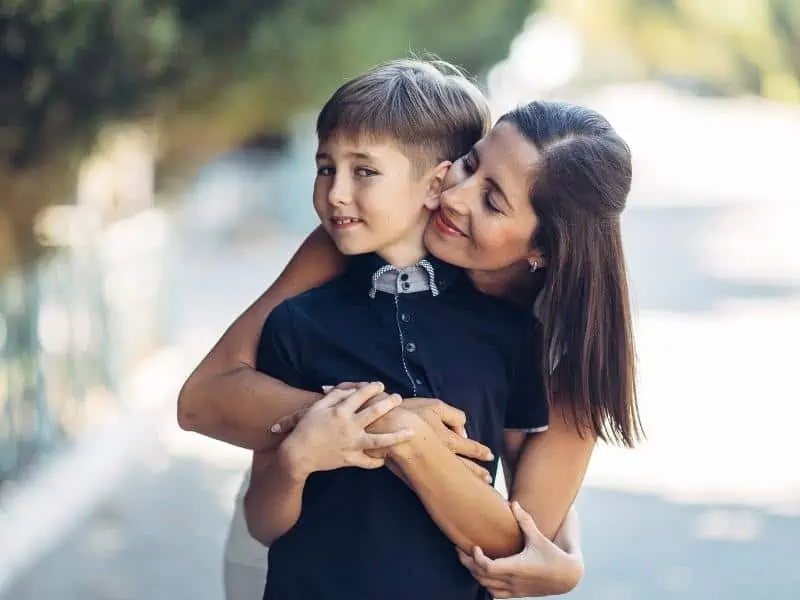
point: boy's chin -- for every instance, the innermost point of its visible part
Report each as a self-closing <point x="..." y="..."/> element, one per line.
<point x="350" y="247"/>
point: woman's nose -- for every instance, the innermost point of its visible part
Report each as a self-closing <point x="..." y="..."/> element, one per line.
<point x="453" y="200"/>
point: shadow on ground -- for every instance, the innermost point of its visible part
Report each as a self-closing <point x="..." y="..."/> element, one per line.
<point x="642" y="547"/>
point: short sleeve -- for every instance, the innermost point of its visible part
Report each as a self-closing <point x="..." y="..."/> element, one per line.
<point x="278" y="353"/>
<point x="527" y="408"/>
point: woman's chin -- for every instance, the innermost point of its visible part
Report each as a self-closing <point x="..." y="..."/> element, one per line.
<point x="444" y="248"/>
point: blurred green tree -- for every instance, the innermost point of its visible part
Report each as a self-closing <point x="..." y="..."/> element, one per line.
<point x="726" y="46"/>
<point x="207" y="73"/>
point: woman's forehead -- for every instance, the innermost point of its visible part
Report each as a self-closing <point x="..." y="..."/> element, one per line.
<point x="508" y="156"/>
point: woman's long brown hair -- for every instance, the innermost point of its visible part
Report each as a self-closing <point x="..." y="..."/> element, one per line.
<point x="579" y="190"/>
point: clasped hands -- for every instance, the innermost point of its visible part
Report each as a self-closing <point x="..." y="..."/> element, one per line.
<point x="359" y="425"/>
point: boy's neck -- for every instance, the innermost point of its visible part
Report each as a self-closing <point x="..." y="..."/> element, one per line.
<point x="402" y="255"/>
<point x="409" y="249"/>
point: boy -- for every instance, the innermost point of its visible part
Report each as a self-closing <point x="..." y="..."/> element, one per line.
<point x="397" y="316"/>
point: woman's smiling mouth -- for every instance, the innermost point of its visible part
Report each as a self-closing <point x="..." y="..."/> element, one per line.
<point x="446" y="226"/>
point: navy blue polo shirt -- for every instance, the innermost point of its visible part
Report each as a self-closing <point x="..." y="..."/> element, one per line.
<point x="422" y="331"/>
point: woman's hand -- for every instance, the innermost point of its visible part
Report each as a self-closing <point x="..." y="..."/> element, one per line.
<point x="332" y="433"/>
<point x="448" y="424"/>
<point x="541" y="569"/>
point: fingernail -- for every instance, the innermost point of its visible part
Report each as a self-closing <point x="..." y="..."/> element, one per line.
<point x="327" y="388"/>
<point x="276" y="428"/>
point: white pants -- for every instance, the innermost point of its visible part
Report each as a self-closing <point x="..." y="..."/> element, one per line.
<point x="245" y="565"/>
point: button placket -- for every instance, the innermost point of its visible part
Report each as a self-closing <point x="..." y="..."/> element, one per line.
<point x="405" y="346"/>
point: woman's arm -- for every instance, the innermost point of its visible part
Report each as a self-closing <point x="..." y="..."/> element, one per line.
<point x="550" y="471"/>
<point x="542" y="568"/>
<point x="547" y="477"/>
<point x="225" y="397"/>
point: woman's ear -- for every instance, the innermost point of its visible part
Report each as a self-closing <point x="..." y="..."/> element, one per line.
<point x="436" y="184"/>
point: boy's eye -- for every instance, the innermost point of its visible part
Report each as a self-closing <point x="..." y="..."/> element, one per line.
<point x="365" y="172"/>
<point x="325" y="171"/>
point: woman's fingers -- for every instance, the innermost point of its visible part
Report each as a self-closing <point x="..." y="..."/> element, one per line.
<point x="366" y="416"/>
<point x="477" y="470"/>
<point x="501" y="568"/>
<point x="286" y="424"/>
<point x="528" y="525"/>
<point x="375" y="441"/>
<point x="454" y="418"/>
<point x="493" y="584"/>
<point x="468" y="448"/>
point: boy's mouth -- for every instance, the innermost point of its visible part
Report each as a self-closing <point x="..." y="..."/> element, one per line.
<point x="344" y="222"/>
<point x="446" y="226"/>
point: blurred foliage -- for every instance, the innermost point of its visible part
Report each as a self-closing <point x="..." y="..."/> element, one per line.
<point x="712" y="46"/>
<point x="206" y="74"/>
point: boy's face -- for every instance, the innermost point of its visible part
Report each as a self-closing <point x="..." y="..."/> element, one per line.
<point x="369" y="198"/>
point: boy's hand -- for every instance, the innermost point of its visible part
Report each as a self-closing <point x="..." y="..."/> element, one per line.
<point x="332" y="433"/>
<point x="285" y="425"/>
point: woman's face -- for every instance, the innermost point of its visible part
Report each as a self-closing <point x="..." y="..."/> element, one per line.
<point x="485" y="220"/>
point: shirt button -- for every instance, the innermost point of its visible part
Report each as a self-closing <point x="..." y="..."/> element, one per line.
<point x="406" y="285"/>
<point x="404" y="277"/>
<point x="411" y="347"/>
<point x="405" y="317"/>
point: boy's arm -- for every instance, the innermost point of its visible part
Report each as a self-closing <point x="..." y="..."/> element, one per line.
<point x="225" y="397"/>
<point x="331" y="435"/>
<point x="274" y="498"/>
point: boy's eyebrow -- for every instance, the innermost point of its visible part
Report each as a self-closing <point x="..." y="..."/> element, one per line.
<point x="356" y="155"/>
<point x="491" y="181"/>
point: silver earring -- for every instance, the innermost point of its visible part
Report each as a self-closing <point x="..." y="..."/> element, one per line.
<point x="534" y="265"/>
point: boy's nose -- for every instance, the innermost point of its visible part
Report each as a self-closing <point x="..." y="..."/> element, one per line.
<point x="338" y="195"/>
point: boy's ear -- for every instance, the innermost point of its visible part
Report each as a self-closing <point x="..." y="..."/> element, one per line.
<point x="436" y="184"/>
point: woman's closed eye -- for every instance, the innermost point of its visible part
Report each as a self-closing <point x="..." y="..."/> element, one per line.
<point x="488" y="202"/>
<point x="468" y="164"/>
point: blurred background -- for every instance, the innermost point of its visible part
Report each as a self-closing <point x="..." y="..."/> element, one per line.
<point x="157" y="163"/>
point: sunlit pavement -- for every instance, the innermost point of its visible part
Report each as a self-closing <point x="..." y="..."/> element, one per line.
<point x="708" y="508"/>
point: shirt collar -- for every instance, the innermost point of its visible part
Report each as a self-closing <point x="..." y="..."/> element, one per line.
<point x="429" y="275"/>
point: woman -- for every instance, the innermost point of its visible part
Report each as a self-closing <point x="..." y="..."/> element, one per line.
<point x="533" y="213"/>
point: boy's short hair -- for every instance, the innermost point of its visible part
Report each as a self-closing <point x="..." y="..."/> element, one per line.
<point x="429" y="107"/>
